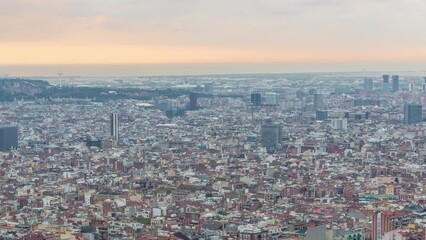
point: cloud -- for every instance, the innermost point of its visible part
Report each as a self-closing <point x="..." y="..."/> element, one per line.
<point x="47" y="20"/>
<point x="321" y="28"/>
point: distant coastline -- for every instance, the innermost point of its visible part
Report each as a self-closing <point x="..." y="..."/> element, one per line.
<point x="136" y="70"/>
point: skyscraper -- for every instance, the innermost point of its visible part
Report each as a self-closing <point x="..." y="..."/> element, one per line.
<point x="115" y="124"/>
<point x="340" y="124"/>
<point x="424" y="85"/>
<point x="193" y="97"/>
<point x="300" y="94"/>
<point x="395" y="83"/>
<point x="271" y="135"/>
<point x="321" y="115"/>
<point x="271" y="98"/>
<point x="385" y="84"/>
<point x="8" y="138"/>
<point x="208" y="88"/>
<point x="256" y="98"/>
<point x="412" y="113"/>
<point x="411" y="87"/>
<point x="318" y="101"/>
<point x="368" y="84"/>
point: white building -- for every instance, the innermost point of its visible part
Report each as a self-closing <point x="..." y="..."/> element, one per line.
<point x="340" y="124"/>
<point x="271" y="98"/>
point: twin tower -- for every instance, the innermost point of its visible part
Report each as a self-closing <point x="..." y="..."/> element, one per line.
<point x="395" y="83"/>
<point x="388" y="87"/>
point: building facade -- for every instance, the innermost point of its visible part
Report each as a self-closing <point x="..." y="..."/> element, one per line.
<point x="271" y="135"/>
<point x="412" y="113"/>
<point x="385" y="84"/>
<point x="114" y="126"/>
<point x="8" y="138"/>
<point x="318" y="101"/>
<point x="256" y="99"/>
<point x="368" y="84"/>
<point x="395" y="83"/>
<point x="193" y="98"/>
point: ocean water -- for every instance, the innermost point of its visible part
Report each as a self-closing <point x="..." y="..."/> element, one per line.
<point x="136" y="70"/>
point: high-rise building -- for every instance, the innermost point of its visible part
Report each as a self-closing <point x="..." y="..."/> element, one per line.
<point x="321" y="115"/>
<point x="8" y="138"/>
<point x="256" y="98"/>
<point x="387" y="221"/>
<point x="368" y="84"/>
<point x="367" y="115"/>
<point x="198" y="88"/>
<point x="300" y="94"/>
<point x="193" y="97"/>
<point x="271" y="98"/>
<point x="208" y="88"/>
<point x="424" y="85"/>
<point x="395" y="83"/>
<point x="380" y="223"/>
<point x="412" y="113"/>
<point x="385" y="84"/>
<point x="271" y="135"/>
<point x="114" y="127"/>
<point x="318" y="101"/>
<point x="340" y="124"/>
<point x="411" y="87"/>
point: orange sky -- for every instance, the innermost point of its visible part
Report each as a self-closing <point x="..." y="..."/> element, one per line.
<point x="220" y="31"/>
<point x="50" y="53"/>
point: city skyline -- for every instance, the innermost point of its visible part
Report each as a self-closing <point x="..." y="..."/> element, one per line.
<point x="212" y="120"/>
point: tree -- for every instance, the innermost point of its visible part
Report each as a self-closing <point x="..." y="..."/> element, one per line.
<point x="143" y="220"/>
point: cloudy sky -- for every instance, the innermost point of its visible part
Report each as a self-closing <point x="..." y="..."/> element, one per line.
<point x="247" y="32"/>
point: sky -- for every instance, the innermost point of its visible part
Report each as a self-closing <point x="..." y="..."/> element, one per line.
<point x="221" y="35"/>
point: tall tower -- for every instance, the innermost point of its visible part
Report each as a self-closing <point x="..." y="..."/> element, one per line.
<point x="318" y="101"/>
<point x="321" y="115"/>
<point x="208" y="88"/>
<point x="395" y="83"/>
<point x="385" y="84"/>
<point x="271" y="135"/>
<point x="256" y="98"/>
<point x="424" y="85"/>
<point x="411" y="87"/>
<point x="412" y="113"/>
<point x="368" y="84"/>
<point x="60" y="79"/>
<point x="114" y="127"/>
<point x="193" y="105"/>
<point x="271" y="98"/>
<point x="60" y="73"/>
<point x="8" y="138"/>
<point x="340" y="124"/>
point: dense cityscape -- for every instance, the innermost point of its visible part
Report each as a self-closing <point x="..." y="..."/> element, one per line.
<point x="242" y="157"/>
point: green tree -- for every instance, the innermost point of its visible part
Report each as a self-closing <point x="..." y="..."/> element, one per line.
<point x="143" y="220"/>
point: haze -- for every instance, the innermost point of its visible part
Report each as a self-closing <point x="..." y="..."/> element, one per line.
<point x="303" y="35"/>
